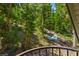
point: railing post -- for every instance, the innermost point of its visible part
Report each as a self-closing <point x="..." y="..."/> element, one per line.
<point x="39" y="53"/>
<point x="67" y="52"/>
<point x="52" y="52"/>
<point x="77" y="53"/>
<point x="59" y="52"/>
<point x="31" y="53"/>
<point x="46" y="52"/>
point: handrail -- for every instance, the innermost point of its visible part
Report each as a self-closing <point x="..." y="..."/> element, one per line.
<point x="46" y="47"/>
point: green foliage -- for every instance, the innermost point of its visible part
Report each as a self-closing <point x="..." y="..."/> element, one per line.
<point x="58" y="21"/>
<point x="24" y="22"/>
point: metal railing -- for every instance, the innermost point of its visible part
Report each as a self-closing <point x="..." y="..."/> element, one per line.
<point x="50" y="51"/>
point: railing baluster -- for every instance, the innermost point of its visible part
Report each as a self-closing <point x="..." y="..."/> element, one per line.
<point x="67" y="52"/>
<point x="52" y="52"/>
<point x="59" y="52"/>
<point x="39" y="53"/>
<point x="32" y="53"/>
<point x="46" y="52"/>
<point x="77" y="53"/>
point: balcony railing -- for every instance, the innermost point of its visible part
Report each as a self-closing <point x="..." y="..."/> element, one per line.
<point x="50" y="51"/>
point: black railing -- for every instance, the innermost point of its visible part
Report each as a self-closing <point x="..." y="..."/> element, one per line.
<point x="50" y="51"/>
